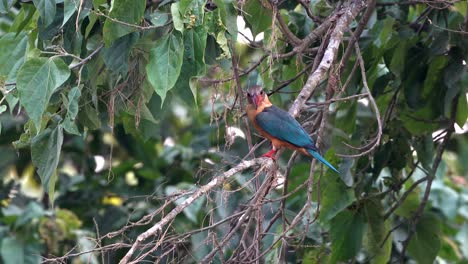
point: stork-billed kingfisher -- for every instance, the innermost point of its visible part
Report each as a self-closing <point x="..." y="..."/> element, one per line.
<point x="279" y="126"/>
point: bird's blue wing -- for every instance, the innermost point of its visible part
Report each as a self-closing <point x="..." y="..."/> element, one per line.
<point x="281" y="125"/>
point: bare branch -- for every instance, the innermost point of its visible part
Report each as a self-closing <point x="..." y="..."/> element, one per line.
<point x="348" y="14"/>
<point x="218" y="180"/>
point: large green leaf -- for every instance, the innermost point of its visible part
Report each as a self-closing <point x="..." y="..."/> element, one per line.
<point x="425" y="243"/>
<point x="228" y="16"/>
<point x="37" y="79"/>
<point x="346" y="231"/>
<point x="12" y="251"/>
<point x="5" y="6"/>
<point x="335" y="195"/>
<point x="384" y="31"/>
<point x="45" y="155"/>
<point x="116" y="56"/>
<point x="126" y="11"/>
<point x="434" y="74"/>
<point x="165" y="63"/>
<point x="47" y="10"/>
<point x="12" y="51"/>
<point x="258" y="17"/>
<point x="193" y="64"/>
<point x="377" y="230"/>
<point x="69" y="8"/>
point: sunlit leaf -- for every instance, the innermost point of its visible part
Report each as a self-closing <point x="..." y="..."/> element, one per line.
<point x="177" y="19"/>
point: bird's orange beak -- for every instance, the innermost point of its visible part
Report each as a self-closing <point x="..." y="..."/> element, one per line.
<point x="257" y="100"/>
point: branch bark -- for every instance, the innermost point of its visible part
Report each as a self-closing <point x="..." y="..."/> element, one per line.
<point x="218" y="180"/>
<point x="347" y="14"/>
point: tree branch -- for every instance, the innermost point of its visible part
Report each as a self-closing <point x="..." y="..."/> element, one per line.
<point x="216" y="181"/>
<point x="348" y="14"/>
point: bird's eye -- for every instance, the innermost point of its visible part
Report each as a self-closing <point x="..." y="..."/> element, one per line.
<point x="261" y="92"/>
<point x="248" y="94"/>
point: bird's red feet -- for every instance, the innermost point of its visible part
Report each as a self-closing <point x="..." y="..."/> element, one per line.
<point x="270" y="154"/>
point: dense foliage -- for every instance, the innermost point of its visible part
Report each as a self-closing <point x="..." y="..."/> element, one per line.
<point x="125" y="118"/>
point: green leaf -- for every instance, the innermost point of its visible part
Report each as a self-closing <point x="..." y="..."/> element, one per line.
<point x="195" y="12"/>
<point x="398" y="59"/>
<point x="12" y="251"/>
<point x="47" y="9"/>
<point x="127" y="11"/>
<point x="2" y="108"/>
<point x="45" y="155"/>
<point x="258" y="17"/>
<point x="5" y="6"/>
<point x="346" y="231"/>
<point x="462" y="238"/>
<point x="158" y="18"/>
<point x="32" y="211"/>
<point x="72" y="104"/>
<point x="23" y="18"/>
<point x="89" y="117"/>
<point x="335" y="195"/>
<point x="69" y="8"/>
<point x="425" y="150"/>
<point x="12" y="53"/>
<point x="425" y="243"/>
<point x="376" y="232"/>
<point x="193" y="64"/>
<point x="223" y="44"/>
<point x="116" y="56"/>
<point x="433" y="75"/>
<point x="165" y="63"/>
<point x="385" y="29"/>
<point x="409" y="206"/>
<point x="38" y="78"/>
<point x="70" y="126"/>
<point x="462" y="110"/>
<point x="228" y="15"/>
<point x="177" y="18"/>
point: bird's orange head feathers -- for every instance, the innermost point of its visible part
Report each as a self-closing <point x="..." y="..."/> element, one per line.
<point x="256" y="96"/>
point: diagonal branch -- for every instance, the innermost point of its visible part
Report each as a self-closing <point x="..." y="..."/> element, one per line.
<point x="348" y="13"/>
<point x="157" y="228"/>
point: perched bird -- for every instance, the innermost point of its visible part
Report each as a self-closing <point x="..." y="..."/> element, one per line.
<point x="279" y="126"/>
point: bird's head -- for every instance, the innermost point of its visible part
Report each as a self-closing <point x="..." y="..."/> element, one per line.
<point x="256" y="95"/>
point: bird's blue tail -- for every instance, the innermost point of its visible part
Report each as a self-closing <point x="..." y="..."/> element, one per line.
<point x="316" y="155"/>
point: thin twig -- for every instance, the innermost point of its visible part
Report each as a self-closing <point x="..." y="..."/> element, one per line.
<point x="375" y="142"/>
